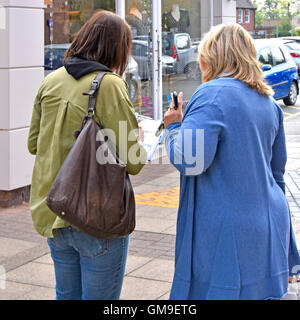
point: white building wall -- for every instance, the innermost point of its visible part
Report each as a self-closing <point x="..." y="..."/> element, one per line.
<point x="224" y="11"/>
<point x="21" y="73"/>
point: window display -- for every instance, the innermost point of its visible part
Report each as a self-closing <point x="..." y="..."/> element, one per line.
<point x="181" y="31"/>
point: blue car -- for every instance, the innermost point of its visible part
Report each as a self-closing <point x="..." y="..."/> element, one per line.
<point x="280" y="69"/>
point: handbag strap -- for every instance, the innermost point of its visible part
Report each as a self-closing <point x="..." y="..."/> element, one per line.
<point x="93" y="93"/>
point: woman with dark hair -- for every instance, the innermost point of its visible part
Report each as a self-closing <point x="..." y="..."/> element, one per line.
<point x="85" y="267"/>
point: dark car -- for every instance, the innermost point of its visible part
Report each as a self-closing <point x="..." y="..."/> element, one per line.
<point x="54" y="55"/>
<point x="279" y="68"/>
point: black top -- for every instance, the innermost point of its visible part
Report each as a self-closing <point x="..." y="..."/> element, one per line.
<point x="78" y="67"/>
<point x="169" y="22"/>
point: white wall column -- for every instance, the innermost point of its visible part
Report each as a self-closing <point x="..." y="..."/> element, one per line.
<point x="224" y="11"/>
<point x="21" y="73"/>
<point x="120" y="8"/>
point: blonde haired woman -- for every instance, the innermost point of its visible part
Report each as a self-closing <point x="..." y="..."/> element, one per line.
<point x="234" y="236"/>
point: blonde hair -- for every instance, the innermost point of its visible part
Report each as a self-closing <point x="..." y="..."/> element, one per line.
<point x="228" y="48"/>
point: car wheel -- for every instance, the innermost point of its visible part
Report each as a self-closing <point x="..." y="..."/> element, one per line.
<point x="192" y="71"/>
<point x="132" y="90"/>
<point x="291" y="99"/>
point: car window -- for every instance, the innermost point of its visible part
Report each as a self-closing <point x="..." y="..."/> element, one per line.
<point x="139" y="50"/>
<point x="278" y="57"/>
<point x="133" y="49"/>
<point x="265" y="56"/>
<point x="182" y="42"/>
<point x="293" y="45"/>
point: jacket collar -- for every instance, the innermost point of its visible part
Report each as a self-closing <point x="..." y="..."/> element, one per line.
<point x="78" y="67"/>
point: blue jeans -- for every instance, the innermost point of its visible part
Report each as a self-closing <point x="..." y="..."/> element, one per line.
<point x="87" y="268"/>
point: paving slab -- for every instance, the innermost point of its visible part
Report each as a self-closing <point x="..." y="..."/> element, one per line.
<point x="153" y="225"/>
<point x="10" y="247"/>
<point x="156" y="212"/>
<point x="135" y="262"/>
<point x="157" y="269"/>
<point x="14" y="290"/>
<point x="39" y="293"/>
<point x="39" y="274"/>
<point x="45" y="259"/>
<point x="143" y="289"/>
<point x="166" y="296"/>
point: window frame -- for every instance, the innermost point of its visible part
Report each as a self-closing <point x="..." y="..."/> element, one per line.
<point x="240" y="16"/>
<point x="247" y="16"/>
<point x="260" y="53"/>
<point x="273" y="58"/>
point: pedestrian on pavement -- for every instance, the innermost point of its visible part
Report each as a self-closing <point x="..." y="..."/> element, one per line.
<point x="234" y="235"/>
<point x="85" y="267"/>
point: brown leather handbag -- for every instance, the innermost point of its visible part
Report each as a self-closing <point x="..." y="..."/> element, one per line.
<point x="95" y="198"/>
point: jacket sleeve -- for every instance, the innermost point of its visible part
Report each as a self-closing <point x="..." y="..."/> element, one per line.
<point x="34" y="129"/>
<point x="115" y="112"/>
<point x="279" y="155"/>
<point x="192" y="145"/>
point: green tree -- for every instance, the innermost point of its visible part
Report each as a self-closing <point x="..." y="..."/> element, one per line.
<point x="297" y="31"/>
<point x="259" y="18"/>
<point x="270" y="9"/>
<point x="285" y="27"/>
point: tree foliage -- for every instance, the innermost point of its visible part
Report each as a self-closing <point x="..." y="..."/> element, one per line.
<point x="274" y="9"/>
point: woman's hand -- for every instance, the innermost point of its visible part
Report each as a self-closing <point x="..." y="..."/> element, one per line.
<point x="173" y="115"/>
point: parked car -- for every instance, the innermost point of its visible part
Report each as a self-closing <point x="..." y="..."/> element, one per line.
<point x="181" y="47"/>
<point x="54" y="55"/>
<point x="293" y="38"/>
<point x="294" y="50"/>
<point x="143" y="56"/>
<point x="279" y="68"/>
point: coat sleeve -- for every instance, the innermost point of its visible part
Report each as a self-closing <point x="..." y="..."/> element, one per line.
<point x="192" y="145"/>
<point x="34" y="129"/>
<point x="279" y="155"/>
<point x="117" y="115"/>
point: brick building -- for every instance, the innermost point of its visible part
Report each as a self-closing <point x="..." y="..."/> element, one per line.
<point x="245" y="14"/>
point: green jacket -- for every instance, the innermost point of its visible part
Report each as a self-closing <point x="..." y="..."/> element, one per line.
<point x="59" y="109"/>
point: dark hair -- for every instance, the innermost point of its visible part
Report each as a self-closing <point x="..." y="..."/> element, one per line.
<point x="105" y="38"/>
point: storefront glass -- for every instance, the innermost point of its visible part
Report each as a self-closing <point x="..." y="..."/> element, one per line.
<point x="182" y="21"/>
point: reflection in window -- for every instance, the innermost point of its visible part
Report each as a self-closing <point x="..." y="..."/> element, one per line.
<point x="183" y="42"/>
<point x="265" y="56"/>
<point x="278" y="56"/>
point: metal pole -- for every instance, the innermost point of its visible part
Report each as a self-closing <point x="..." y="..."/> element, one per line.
<point x="120" y="8"/>
<point x="157" y="84"/>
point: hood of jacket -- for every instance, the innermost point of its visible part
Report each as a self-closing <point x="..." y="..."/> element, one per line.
<point x="78" y="67"/>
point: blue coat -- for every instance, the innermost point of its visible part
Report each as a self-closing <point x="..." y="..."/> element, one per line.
<point x="234" y="236"/>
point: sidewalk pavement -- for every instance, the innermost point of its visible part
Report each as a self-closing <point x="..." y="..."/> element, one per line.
<point x="29" y="269"/>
